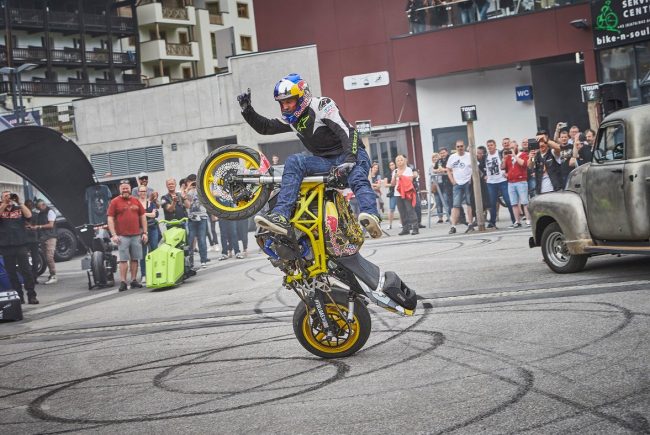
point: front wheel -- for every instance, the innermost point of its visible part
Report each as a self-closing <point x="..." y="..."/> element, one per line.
<point x="347" y="339"/>
<point x="556" y="253"/>
<point x="219" y="188"/>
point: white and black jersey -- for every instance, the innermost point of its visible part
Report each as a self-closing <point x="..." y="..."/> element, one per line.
<point x="321" y="128"/>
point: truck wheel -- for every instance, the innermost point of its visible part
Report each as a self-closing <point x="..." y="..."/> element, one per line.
<point x="66" y="245"/>
<point x="556" y="254"/>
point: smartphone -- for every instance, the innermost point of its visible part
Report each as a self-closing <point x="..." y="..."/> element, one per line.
<point x="533" y="144"/>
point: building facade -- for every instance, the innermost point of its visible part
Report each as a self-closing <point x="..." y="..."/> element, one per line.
<point x="521" y="64"/>
<point x="65" y="49"/>
<point x="183" y="39"/>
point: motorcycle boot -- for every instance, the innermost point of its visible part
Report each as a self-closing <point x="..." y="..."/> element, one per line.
<point x="274" y="222"/>
<point x="371" y="223"/>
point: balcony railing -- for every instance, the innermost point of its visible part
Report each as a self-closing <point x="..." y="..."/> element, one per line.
<point x="216" y="19"/>
<point x="69" y="21"/>
<point x="175" y="13"/>
<point x="71" y="89"/>
<point x="68" y="56"/>
<point x="179" y="49"/>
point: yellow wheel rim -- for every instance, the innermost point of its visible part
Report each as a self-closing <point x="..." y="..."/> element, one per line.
<point x="342" y="342"/>
<point x="211" y="179"/>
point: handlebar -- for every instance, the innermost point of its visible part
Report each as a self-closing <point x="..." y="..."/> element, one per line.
<point x="174" y="221"/>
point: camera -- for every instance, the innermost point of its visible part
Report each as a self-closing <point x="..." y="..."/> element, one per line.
<point x="507" y="152"/>
<point x="13" y="197"/>
<point x="533" y="144"/>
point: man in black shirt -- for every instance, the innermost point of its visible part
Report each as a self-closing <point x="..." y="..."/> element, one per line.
<point x="173" y="202"/>
<point x="13" y="244"/>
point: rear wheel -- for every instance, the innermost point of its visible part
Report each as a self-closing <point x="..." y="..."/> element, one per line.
<point x="347" y="338"/>
<point x="98" y="268"/>
<point x="556" y="253"/>
<point x="218" y="190"/>
<point x="41" y="263"/>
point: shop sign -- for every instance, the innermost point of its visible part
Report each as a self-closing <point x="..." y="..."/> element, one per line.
<point x="368" y="80"/>
<point x="364" y="128"/>
<point x="620" y="22"/>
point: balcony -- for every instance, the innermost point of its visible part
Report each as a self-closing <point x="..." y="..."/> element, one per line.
<point x="161" y="50"/>
<point x="71" y="89"/>
<point x="216" y="19"/>
<point x="157" y="13"/>
<point x="68" y="22"/>
<point x="69" y="57"/>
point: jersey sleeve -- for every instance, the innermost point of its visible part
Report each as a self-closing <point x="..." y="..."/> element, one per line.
<point x="347" y="135"/>
<point x="264" y="125"/>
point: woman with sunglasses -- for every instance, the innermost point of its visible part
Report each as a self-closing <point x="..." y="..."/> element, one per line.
<point x="150" y="204"/>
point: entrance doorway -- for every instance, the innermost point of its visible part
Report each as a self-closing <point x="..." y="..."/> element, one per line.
<point x="384" y="147"/>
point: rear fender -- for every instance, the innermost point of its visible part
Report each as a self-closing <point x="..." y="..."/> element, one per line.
<point x="567" y="210"/>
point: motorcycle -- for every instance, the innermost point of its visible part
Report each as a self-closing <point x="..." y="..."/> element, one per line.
<point x="319" y="257"/>
<point x="99" y="263"/>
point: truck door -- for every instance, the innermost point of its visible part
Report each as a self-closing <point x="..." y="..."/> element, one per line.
<point x="605" y="188"/>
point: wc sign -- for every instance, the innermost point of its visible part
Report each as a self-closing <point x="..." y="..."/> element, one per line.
<point x="524" y="93"/>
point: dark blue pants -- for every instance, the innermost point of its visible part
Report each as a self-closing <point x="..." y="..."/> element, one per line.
<point x="199" y="230"/>
<point x="299" y="166"/>
<point x="228" y="230"/>
<point x="493" y="191"/>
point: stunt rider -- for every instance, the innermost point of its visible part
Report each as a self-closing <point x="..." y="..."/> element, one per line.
<point x="328" y="136"/>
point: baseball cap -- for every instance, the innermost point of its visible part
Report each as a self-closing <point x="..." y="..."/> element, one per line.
<point x="143" y="175"/>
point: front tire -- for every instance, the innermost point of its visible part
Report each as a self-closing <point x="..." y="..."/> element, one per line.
<point x="555" y="252"/>
<point x="309" y="331"/>
<point x="223" y="197"/>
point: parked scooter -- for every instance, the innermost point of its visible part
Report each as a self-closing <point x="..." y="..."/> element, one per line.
<point x="169" y="264"/>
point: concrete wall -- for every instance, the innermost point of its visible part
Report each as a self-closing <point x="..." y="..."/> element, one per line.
<point x="190" y="113"/>
<point x="493" y="93"/>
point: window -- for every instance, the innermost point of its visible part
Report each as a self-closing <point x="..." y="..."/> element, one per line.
<point x="127" y="162"/>
<point x="246" y="43"/>
<point x="187" y="73"/>
<point x="611" y="145"/>
<point x="242" y="10"/>
<point x="213" y="39"/>
<point x="183" y="38"/>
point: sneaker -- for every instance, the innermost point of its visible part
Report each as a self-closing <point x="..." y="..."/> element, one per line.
<point x="528" y="224"/>
<point x="123" y="286"/>
<point x="204" y="265"/>
<point x="490" y="225"/>
<point x="51" y="280"/>
<point x="515" y="225"/>
<point x="469" y="229"/>
<point x="32" y="301"/>
<point x="440" y="221"/>
<point x="452" y="230"/>
<point x="222" y="257"/>
<point x="404" y="232"/>
<point x="143" y="280"/>
<point x="371" y="223"/>
<point x="415" y="231"/>
<point x="239" y="255"/>
<point x="135" y="284"/>
<point x="274" y="222"/>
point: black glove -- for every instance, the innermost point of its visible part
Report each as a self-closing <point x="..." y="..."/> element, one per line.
<point x="244" y="99"/>
<point x="344" y="169"/>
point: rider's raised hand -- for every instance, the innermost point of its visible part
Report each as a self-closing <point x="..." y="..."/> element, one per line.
<point x="344" y="169"/>
<point x="244" y="99"/>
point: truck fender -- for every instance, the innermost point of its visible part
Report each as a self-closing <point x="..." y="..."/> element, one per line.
<point x="565" y="208"/>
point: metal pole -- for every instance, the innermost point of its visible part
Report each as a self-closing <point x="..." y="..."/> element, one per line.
<point x="476" y="179"/>
<point x="12" y="85"/>
<point x="21" y="108"/>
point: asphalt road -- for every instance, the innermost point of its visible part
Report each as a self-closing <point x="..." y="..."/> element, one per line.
<point x="499" y="344"/>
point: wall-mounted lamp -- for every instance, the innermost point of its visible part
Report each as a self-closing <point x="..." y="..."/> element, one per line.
<point x="581" y="24"/>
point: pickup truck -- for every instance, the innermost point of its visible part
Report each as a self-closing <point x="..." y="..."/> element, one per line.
<point x="605" y="208"/>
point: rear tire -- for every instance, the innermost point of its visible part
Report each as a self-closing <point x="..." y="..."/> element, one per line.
<point x="311" y="336"/>
<point x="556" y="254"/>
<point x="248" y="199"/>
<point x="41" y="263"/>
<point x="98" y="268"/>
